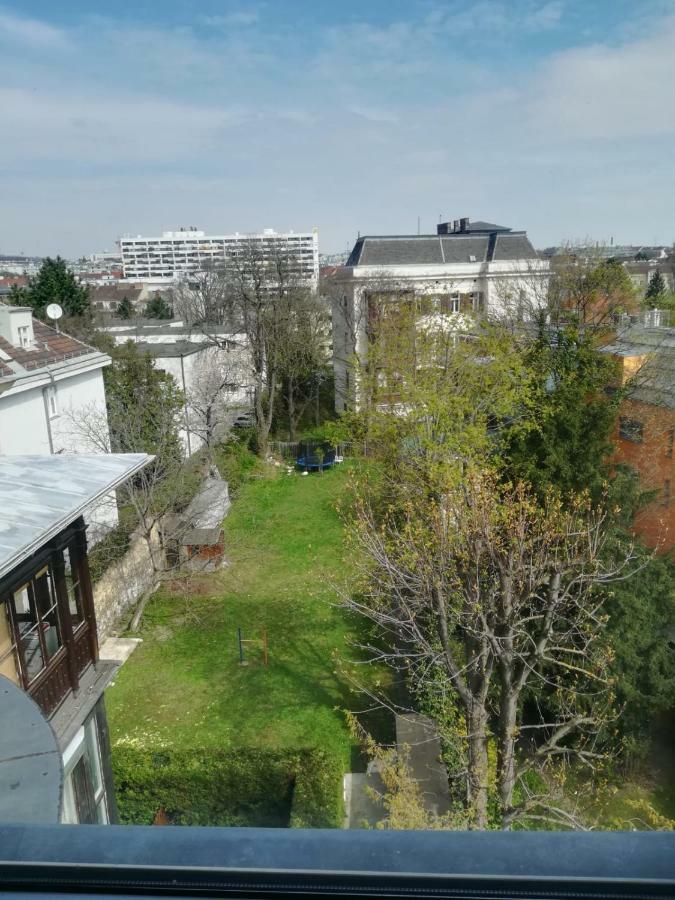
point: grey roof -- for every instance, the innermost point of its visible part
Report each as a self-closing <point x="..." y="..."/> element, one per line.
<point x="206" y="512"/>
<point x="486" y="226"/>
<point x="41" y="495"/>
<point x="172" y="348"/>
<point x="31" y="767"/>
<point x="390" y="251"/>
<point x="515" y="245"/>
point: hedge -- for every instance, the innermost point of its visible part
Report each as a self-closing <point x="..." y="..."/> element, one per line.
<point x="247" y="786"/>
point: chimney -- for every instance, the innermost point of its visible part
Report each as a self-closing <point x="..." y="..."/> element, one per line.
<point x="16" y="325"/>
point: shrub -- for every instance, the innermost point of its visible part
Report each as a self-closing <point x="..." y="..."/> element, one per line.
<point x="246" y="786"/>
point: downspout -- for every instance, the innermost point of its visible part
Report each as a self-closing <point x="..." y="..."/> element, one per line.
<point x="45" y="401"/>
<point x="185" y="401"/>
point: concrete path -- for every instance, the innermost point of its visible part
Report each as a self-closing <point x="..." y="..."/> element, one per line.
<point x="419" y="734"/>
<point x="118" y="649"/>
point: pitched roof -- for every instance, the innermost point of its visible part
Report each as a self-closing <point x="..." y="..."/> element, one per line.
<point x="403" y="250"/>
<point x="50" y="347"/>
<point x="654" y="382"/>
<point x="41" y="495"/>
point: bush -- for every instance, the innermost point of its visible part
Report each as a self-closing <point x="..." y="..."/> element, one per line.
<point x="235" y="461"/>
<point x="318" y="794"/>
<point x="246" y="786"/>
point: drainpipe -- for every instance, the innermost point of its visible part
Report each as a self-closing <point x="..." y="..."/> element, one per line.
<point x="45" y="401"/>
<point x="187" y="411"/>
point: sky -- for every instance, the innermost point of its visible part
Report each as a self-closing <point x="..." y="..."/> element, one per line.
<point x="554" y="116"/>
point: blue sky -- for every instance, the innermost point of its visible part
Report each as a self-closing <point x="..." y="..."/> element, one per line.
<point x="551" y="115"/>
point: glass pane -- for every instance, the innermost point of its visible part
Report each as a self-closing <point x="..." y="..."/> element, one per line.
<point x="73" y="586"/>
<point x="31" y="650"/>
<point x="93" y="755"/>
<point x="45" y="596"/>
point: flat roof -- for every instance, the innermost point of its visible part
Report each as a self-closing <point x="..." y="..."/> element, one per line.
<point x="41" y="495"/>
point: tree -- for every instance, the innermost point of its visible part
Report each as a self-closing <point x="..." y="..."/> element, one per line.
<point x="569" y="445"/>
<point x="303" y="359"/>
<point x="656" y="290"/>
<point x="589" y="291"/>
<point x="255" y="296"/>
<point x="219" y="386"/>
<point x="54" y="283"/>
<point x="158" y="308"/>
<point x="125" y="309"/>
<point x="498" y="596"/>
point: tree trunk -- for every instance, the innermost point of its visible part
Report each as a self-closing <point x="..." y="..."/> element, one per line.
<point x="291" y="410"/>
<point x="506" y="760"/>
<point x="477" y="721"/>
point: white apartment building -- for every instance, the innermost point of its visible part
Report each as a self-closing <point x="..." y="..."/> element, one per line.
<point x="168" y="257"/>
<point x="467" y="269"/>
<point x="48" y="380"/>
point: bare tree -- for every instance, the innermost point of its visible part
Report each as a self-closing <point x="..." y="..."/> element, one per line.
<point x="255" y="293"/>
<point x="219" y="385"/>
<point x="499" y="597"/>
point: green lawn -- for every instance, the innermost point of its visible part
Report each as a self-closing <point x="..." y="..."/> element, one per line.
<point x="184" y="688"/>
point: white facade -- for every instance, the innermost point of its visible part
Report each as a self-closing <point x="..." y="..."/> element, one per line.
<point x="198" y="367"/>
<point x="462" y="274"/>
<point x="46" y="385"/>
<point x="164" y="259"/>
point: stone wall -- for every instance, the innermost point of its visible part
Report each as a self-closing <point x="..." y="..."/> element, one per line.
<point x="123" y="584"/>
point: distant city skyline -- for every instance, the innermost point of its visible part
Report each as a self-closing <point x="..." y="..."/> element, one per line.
<point x="546" y="115"/>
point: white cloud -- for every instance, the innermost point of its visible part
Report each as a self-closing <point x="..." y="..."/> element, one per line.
<point x="31" y="32"/>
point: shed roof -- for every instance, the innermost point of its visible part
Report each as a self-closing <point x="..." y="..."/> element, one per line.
<point x="41" y="495"/>
<point x="206" y="512"/>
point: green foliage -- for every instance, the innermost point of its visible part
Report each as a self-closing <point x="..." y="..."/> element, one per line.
<point x="656" y="290"/>
<point x="108" y="550"/>
<point x="236" y="462"/>
<point x="144" y="405"/>
<point x="246" y="786"/>
<point x="317" y="795"/>
<point x="54" y="283"/>
<point x="573" y="417"/>
<point x="641" y="618"/>
<point x="158" y="308"/>
<point x="125" y="309"/>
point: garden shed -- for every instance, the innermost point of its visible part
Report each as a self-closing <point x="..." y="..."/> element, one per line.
<point x="202" y="544"/>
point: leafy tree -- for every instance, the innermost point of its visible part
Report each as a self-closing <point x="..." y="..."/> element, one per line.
<point x="125" y="309"/>
<point x="54" y="283"/>
<point x="158" y="308"/>
<point x="569" y="446"/>
<point x="656" y="290"/>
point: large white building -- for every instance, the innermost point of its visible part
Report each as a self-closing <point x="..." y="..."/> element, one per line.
<point x="168" y="257"/>
<point x="470" y="269"/>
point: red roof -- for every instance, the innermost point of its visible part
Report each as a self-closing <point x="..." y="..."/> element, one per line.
<point x="49" y="347"/>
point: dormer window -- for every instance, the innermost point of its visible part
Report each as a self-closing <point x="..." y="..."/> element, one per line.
<point x="24" y="335"/>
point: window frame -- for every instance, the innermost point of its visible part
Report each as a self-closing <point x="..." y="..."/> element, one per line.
<point x="631" y="430"/>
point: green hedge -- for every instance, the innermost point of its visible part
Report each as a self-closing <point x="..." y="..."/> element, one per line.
<point x="247" y="786"/>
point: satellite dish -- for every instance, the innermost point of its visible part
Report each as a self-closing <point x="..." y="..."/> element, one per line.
<point x="54" y="311"/>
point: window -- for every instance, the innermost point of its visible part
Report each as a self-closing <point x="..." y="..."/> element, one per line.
<point x="84" y="800"/>
<point x="52" y="402"/>
<point x="670" y="438"/>
<point x="24" y="335"/>
<point x="665" y="496"/>
<point x="36" y="623"/>
<point x="630" y="430"/>
<point x="72" y="575"/>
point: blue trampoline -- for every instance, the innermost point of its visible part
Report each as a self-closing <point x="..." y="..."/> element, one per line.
<point x="314" y="456"/>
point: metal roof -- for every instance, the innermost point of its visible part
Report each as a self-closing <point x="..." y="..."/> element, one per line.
<point x="31" y="768"/>
<point x="41" y="495"/>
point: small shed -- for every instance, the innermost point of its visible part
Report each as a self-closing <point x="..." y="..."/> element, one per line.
<point x="203" y="541"/>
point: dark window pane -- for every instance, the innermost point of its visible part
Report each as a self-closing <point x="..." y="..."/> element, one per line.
<point x="630" y="430"/>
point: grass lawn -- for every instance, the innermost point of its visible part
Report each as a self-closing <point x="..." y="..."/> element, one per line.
<point x="184" y="688"/>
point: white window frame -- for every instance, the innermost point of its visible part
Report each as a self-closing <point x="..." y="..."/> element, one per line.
<point x="23" y="332"/>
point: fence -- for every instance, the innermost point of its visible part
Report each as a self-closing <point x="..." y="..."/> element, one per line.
<point x="288" y="450"/>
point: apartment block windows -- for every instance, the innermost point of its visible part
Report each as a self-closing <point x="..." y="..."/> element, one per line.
<point x="630" y="430"/>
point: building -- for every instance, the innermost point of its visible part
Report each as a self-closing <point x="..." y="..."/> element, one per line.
<point x="641" y="272"/>
<point x="168" y="257"/>
<point x="467" y="268"/>
<point x="48" y="634"/>
<point x="215" y="380"/>
<point x="105" y="298"/>
<point x="646" y="427"/>
<point x="47" y="381"/>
